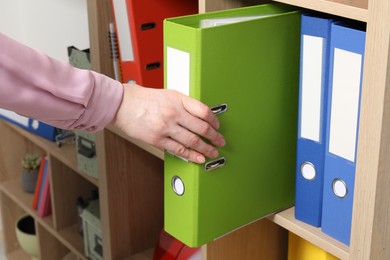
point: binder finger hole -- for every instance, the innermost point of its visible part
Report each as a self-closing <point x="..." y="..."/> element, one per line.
<point x="178" y="185"/>
<point x="308" y="171"/>
<point x="339" y="188"/>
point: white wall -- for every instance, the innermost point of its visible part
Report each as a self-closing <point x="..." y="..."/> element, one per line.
<point x="48" y="25"/>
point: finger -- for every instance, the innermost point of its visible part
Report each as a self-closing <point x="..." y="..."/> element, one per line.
<point x="202" y="128"/>
<point x="181" y="151"/>
<point x="193" y="141"/>
<point x="200" y="110"/>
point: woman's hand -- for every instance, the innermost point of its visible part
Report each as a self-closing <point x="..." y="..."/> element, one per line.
<point x="169" y="120"/>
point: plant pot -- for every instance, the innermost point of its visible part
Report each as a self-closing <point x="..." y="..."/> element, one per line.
<point x="29" y="180"/>
<point x="26" y="236"/>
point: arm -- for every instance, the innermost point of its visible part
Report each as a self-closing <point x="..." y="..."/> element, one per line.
<point x="37" y="86"/>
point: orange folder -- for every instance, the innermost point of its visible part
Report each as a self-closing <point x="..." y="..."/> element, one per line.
<point x="139" y="27"/>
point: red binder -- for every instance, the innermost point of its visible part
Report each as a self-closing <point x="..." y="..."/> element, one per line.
<point x="139" y="27"/>
<point x="169" y="248"/>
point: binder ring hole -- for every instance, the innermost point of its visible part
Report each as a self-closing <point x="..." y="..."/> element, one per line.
<point x="339" y="188"/>
<point x="178" y="185"/>
<point x="308" y="171"/>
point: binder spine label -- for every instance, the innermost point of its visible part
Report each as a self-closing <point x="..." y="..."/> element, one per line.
<point x="345" y="104"/>
<point x="311" y="87"/>
<point x="178" y="70"/>
<point x="14" y="117"/>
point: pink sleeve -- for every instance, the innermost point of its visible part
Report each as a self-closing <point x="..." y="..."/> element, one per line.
<point x="37" y="86"/>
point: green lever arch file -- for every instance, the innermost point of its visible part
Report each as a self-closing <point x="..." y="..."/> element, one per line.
<point x="251" y="68"/>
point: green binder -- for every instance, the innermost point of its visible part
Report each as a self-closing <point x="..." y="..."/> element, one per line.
<point x="250" y="70"/>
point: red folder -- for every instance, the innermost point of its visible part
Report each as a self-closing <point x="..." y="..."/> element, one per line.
<point x="139" y="27"/>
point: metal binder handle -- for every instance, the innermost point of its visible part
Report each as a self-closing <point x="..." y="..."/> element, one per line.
<point x="212" y="165"/>
<point x="219" y="109"/>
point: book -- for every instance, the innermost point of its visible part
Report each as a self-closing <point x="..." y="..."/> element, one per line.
<point x="38" y="185"/>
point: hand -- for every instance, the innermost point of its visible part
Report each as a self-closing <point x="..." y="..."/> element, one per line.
<point x="169" y="120"/>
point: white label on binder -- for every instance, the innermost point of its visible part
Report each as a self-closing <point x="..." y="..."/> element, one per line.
<point x="311" y="87"/>
<point x="123" y="30"/>
<point x="178" y="70"/>
<point x="345" y="103"/>
<point x="14" y="117"/>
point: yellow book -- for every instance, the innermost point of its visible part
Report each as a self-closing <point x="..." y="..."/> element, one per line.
<point x="300" y="249"/>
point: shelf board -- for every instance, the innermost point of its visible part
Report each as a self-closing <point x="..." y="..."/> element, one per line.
<point x="332" y="7"/>
<point x="287" y="220"/>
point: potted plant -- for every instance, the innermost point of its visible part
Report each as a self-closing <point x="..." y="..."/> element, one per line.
<point x="30" y="164"/>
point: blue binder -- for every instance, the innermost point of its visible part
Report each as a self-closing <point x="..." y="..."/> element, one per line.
<point x="31" y="125"/>
<point x="346" y="70"/>
<point x="315" y="41"/>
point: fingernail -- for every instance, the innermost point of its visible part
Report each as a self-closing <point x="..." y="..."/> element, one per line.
<point x="200" y="159"/>
<point x="214" y="154"/>
<point x="222" y="142"/>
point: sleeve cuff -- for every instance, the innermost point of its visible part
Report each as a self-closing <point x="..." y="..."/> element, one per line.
<point x="103" y="104"/>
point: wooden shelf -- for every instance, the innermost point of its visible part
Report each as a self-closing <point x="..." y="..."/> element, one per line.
<point x="287" y="220"/>
<point x="68" y="236"/>
<point x="358" y="12"/>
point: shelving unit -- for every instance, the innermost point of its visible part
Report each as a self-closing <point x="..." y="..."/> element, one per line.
<point x="132" y="215"/>
<point x="134" y="173"/>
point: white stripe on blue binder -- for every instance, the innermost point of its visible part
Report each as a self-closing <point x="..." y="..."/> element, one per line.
<point x="29" y="124"/>
<point x="345" y="104"/>
<point x="15" y="117"/>
<point x="312" y="55"/>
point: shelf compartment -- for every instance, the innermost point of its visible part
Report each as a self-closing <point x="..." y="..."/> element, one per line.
<point x="50" y="247"/>
<point x="356" y="9"/>
<point x="66" y="153"/>
<point x="73" y="240"/>
<point x="13" y="148"/>
<point x="286" y="219"/>
<point x="66" y="186"/>
<point x="248" y="242"/>
<point x="15" y="202"/>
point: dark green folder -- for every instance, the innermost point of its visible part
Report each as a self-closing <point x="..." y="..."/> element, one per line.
<point x="253" y="67"/>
